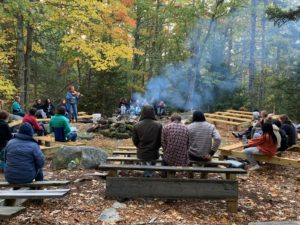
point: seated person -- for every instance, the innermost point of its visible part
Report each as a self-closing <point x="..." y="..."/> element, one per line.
<point x="290" y="130"/>
<point x="264" y="145"/>
<point x="161" y="108"/>
<point x="60" y="121"/>
<point x="5" y="135"/>
<point x="48" y="108"/>
<point x="16" y="107"/>
<point x="30" y="118"/>
<point x="23" y="157"/>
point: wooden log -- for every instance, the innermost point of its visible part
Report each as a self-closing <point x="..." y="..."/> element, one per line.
<point x="170" y="188"/>
<point x="240" y="112"/>
<point x="234" y="114"/>
<point x="230" y="118"/>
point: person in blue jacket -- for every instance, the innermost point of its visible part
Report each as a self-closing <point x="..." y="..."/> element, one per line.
<point x="16" y="107"/>
<point x="23" y="157"/>
<point x="72" y="98"/>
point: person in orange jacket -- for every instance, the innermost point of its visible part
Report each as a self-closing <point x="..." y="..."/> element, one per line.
<point x="264" y="145"/>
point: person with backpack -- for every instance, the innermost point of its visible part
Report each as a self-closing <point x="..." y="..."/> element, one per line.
<point x="284" y="138"/>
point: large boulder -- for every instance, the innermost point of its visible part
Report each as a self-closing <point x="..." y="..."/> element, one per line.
<point x="85" y="136"/>
<point x="86" y="157"/>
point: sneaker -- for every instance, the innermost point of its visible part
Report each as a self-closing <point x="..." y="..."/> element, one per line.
<point x="235" y="134"/>
<point x="256" y="167"/>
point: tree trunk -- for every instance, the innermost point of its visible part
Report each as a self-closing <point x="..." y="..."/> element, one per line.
<point x="252" y="53"/>
<point x="28" y="56"/>
<point x="20" y="66"/>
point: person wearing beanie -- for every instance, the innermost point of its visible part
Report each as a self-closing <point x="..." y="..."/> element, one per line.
<point x="23" y="157"/>
<point x="201" y="134"/>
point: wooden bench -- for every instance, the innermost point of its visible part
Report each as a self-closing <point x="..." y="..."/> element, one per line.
<point x="240" y="112"/>
<point x="31" y="194"/>
<point x="235" y="125"/>
<point x="136" y="160"/>
<point x="229" y="118"/>
<point x="49" y="140"/>
<point x="15" y="123"/>
<point x="235" y="150"/>
<point x="173" y="188"/>
<point x="234" y="115"/>
<point x="7" y="212"/>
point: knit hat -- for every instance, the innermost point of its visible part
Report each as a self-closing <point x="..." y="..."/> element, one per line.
<point x="26" y="129"/>
<point x="255" y="115"/>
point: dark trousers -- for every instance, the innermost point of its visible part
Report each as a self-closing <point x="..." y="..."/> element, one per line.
<point x="39" y="175"/>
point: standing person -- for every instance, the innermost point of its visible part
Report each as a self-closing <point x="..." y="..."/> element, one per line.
<point x="175" y="142"/>
<point x="147" y="137"/>
<point x="201" y="134"/>
<point x="264" y="145"/>
<point x="290" y="130"/>
<point x="23" y="157"/>
<point x="59" y="121"/>
<point x="5" y="135"/>
<point x="49" y="108"/>
<point x="72" y="98"/>
<point x="16" y="107"/>
<point x="30" y="118"/>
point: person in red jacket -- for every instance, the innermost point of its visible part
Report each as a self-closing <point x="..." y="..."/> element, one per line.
<point x="264" y="145"/>
<point x="30" y="118"/>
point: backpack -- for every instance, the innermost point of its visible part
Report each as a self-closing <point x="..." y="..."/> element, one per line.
<point x="284" y="140"/>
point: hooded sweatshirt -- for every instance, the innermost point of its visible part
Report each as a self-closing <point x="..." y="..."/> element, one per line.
<point x="23" y="157"/>
<point x="147" y="135"/>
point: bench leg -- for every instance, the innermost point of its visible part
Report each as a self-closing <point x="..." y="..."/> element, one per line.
<point x="9" y="202"/>
<point x="112" y="173"/>
<point x="204" y="175"/>
<point x="47" y="144"/>
<point x="232" y="206"/>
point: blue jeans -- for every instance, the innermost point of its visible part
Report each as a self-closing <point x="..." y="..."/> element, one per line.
<point x="72" y="110"/>
<point x="72" y="136"/>
<point x="148" y="173"/>
<point x="250" y="152"/>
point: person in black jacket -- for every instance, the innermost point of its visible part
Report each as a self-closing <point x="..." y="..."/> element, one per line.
<point x="5" y="134"/>
<point x="147" y="137"/>
<point x="284" y="138"/>
<point x="290" y="130"/>
<point x="49" y="108"/>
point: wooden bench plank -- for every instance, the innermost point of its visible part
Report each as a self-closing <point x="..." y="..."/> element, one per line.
<point x="33" y="194"/>
<point x="170" y="188"/>
<point x="37" y="183"/>
<point x="171" y="168"/>
<point x="235" y="115"/>
<point x="240" y="112"/>
<point x="272" y="160"/>
<point x="15" y="123"/>
<point x="234" y="146"/>
<point x="231" y="118"/>
<point x="136" y="160"/>
<point x="9" y="212"/>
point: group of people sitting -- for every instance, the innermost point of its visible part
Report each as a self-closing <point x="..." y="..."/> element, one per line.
<point x="127" y="107"/>
<point x="267" y="136"/>
<point x="20" y="155"/>
<point x="197" y="141"/>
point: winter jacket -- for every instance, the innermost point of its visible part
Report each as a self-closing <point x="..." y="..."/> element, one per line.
<point x="5" y="134"/>
<point x="290" y="131"/>
<point x="49" y="109"/>
<point x="38" y="106"/>
<point x="265" y="144"/>
<point x="16" y="107"/>
<point x="32" y="120"/>
<point x="147" y="135"/>
<point x="23" y="159"/>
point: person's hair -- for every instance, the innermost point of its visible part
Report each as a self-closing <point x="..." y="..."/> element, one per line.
<point x="269" y="118"/>
<point x="17" y="98"/>
<point x="175" y="117"/>
<point x="263" y="114"/>
<point x="267" y="128"/>
<point x="198" y="116"/>
<point x="61" y="110"/>
<point x="70" y="87"/>
<point x="4" y="115"/>
<point x="285" y="119"/>
<point x="277" y="123"/>
<point x="32" y="111"/>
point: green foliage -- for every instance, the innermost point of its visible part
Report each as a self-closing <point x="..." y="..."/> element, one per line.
<point x="280" y="16"/>
<point x="7" y="88"/>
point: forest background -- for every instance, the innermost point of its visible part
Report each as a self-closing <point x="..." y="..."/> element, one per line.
<point x="193" y="54"/>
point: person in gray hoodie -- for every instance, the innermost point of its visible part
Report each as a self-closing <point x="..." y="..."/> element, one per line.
<point x="147" y="137"/>
<point x="23" y="157"/>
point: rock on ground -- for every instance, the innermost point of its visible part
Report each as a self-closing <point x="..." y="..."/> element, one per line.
<point x="110" y="215"/>
<point x="85" y="156"/>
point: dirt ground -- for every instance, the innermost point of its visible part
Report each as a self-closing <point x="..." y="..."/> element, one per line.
<point x="271" y="194"/>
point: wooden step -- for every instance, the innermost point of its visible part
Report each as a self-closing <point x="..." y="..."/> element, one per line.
<point x="45" y="183"/>
<point x="33" y="194"/>
<point x="9" y="212"/>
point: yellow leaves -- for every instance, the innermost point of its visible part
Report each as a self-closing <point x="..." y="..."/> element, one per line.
<point x="37" y="48"/>
<point x="7" y="88"/>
